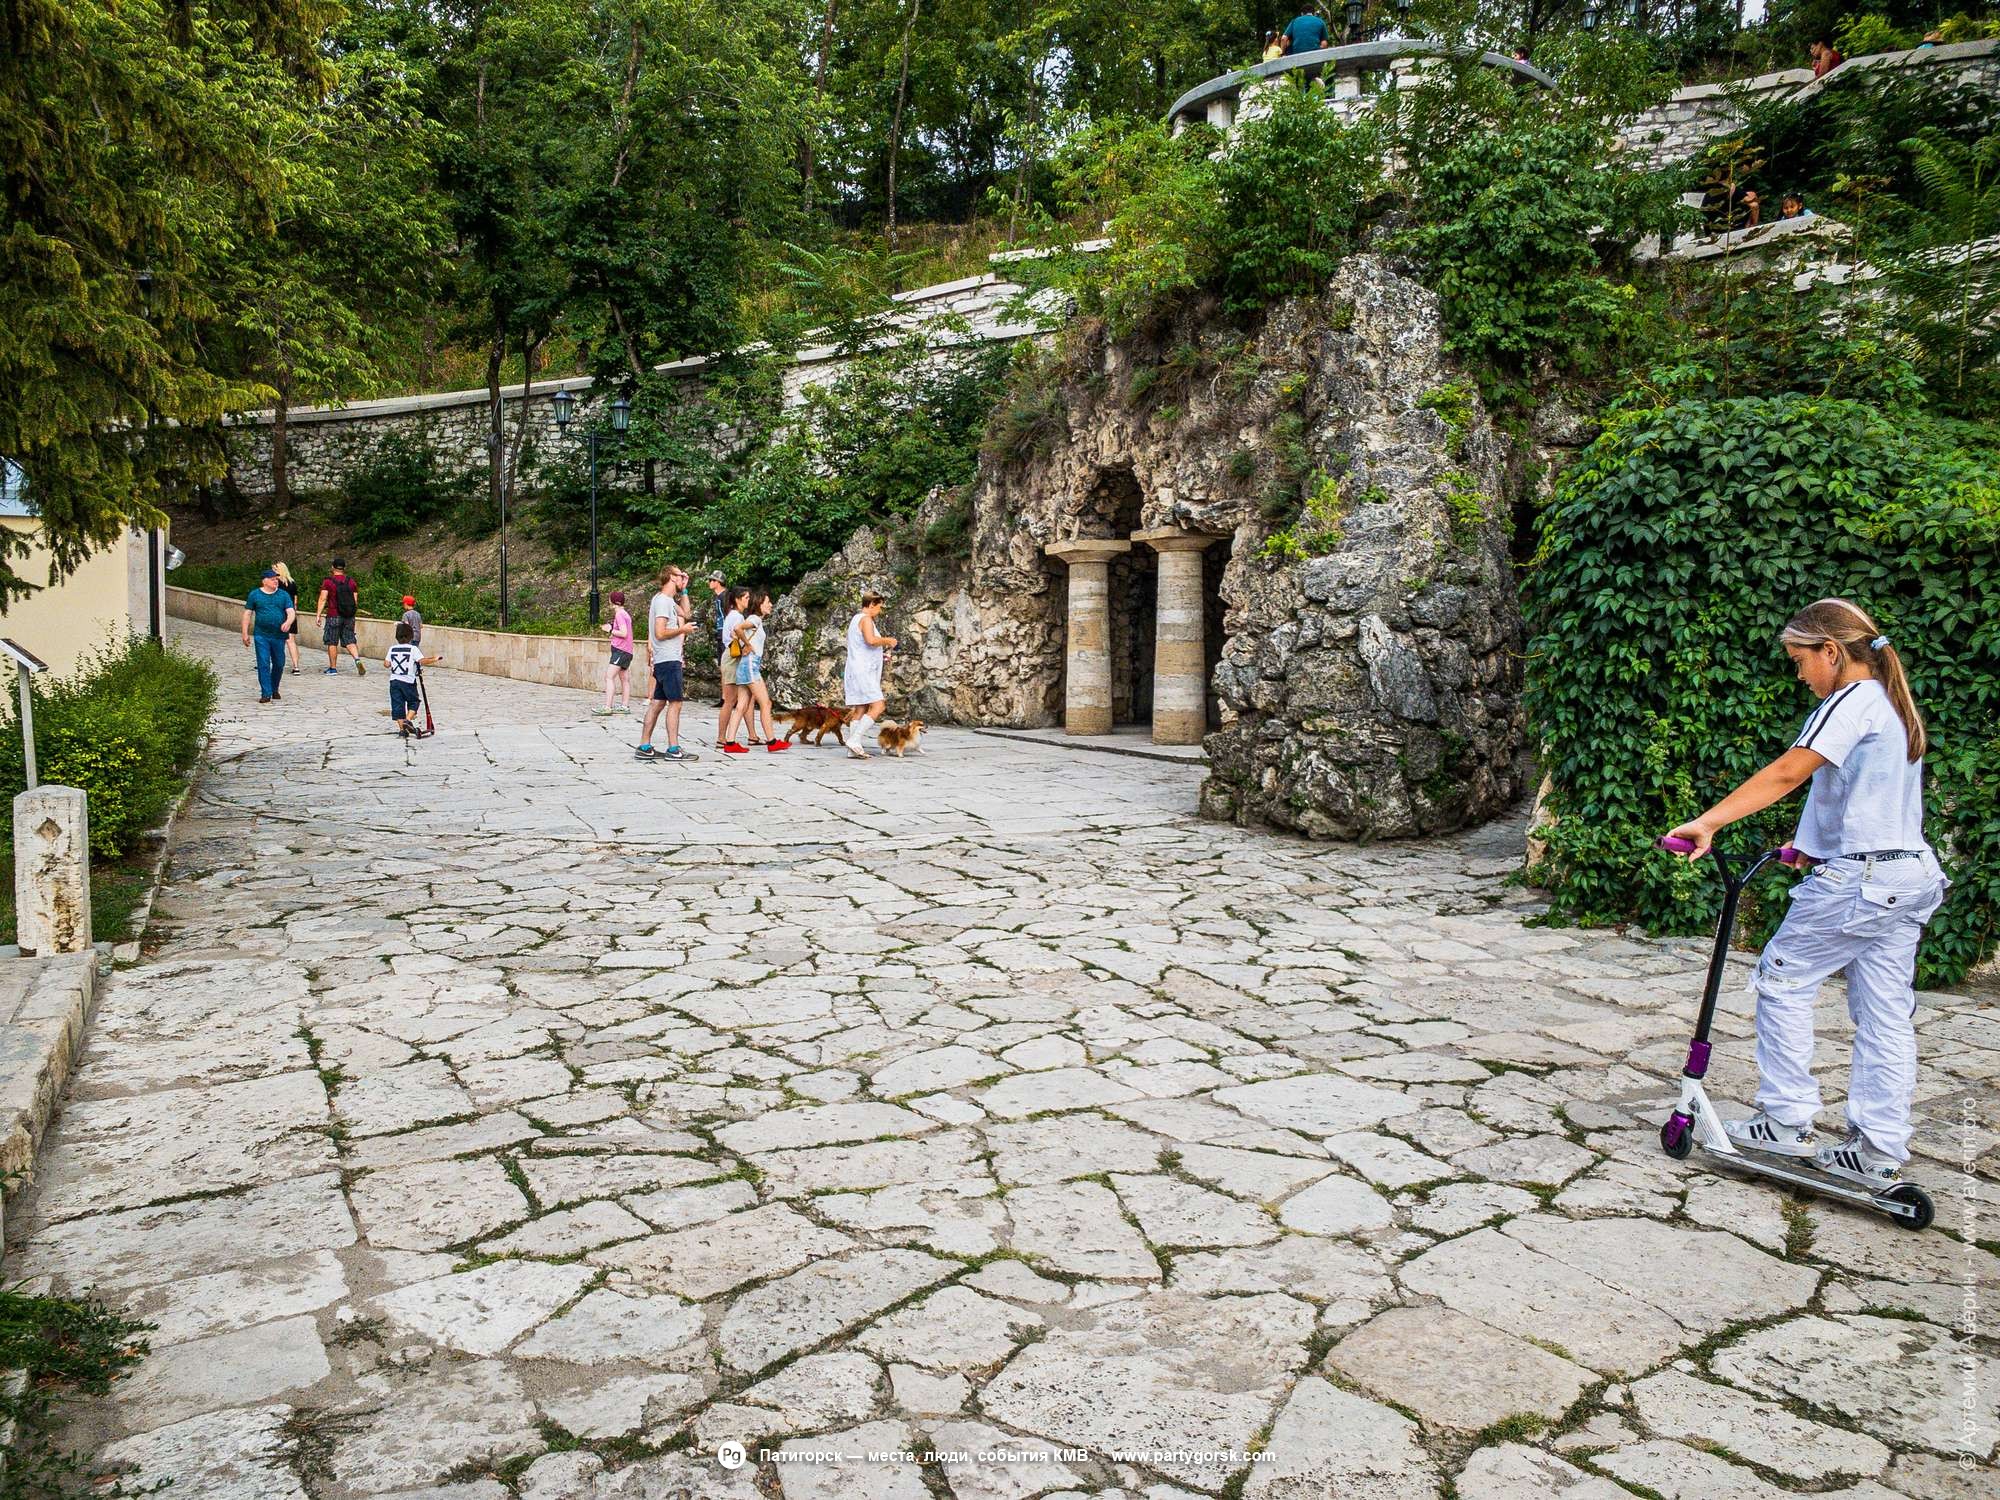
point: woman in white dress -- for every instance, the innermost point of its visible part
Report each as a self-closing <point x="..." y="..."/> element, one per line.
<point x="863" y="680"/>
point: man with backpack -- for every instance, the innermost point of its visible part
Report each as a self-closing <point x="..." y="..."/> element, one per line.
<point x="337" y="628"/>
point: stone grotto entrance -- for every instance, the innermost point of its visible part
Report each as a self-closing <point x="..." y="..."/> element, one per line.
<point x="1144" y="631"/>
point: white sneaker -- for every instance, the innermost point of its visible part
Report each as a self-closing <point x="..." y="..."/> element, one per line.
<point x="1855" y="1160"/>
<point x="854" y="748"/>
<point x="1762" y="1133"/>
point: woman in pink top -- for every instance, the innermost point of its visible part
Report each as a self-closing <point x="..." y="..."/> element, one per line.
<point x="617" y="674"/>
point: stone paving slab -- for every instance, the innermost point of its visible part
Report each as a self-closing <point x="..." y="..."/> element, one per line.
<point x="499" y="1117"/>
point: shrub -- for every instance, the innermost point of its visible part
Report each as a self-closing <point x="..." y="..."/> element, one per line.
<point x="398" y="488"/>
<point x="1671" y="556"/>
<point x="126" y="729"/>
<point x="1509" y="239"/>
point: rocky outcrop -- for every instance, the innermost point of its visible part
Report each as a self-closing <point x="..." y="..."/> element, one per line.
<point x="1366" y="637"/>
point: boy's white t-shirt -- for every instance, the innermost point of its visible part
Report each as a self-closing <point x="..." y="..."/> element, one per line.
<point x="1869" y="797"/>
<point x="664" y="608"/>
<point x="402" y="662"/>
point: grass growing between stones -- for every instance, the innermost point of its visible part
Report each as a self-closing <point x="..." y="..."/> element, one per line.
<point x="63" y="1348"/>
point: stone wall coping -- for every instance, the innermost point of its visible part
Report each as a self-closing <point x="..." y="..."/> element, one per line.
<point x="473" y="630"/>
<point x="45" y="1008"/>
<point x="1358" y="54"/>
<point x="1757" y="84"/>
<point x="1913" y="57"/>
<point x="399" y="406"/>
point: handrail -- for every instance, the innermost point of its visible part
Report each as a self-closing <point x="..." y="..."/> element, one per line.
<point x="1386" y="49"/>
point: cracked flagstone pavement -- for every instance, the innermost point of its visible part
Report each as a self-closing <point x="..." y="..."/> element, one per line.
<point x="499" y="1117"/>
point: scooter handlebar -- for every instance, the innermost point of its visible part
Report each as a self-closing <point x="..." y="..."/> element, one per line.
<point x="1786" y="855"/>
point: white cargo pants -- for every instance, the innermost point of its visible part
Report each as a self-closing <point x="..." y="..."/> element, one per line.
<point x="1864" y="916"/>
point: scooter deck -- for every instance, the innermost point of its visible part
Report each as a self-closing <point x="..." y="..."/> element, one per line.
<point x="1800" y="1173"/>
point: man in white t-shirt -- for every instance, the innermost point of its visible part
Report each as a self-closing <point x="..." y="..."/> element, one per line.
<point x="667" y="624"/>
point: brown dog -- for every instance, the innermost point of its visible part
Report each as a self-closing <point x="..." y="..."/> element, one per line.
<point x="896" y="738"/>
<point x="815" y="719"/>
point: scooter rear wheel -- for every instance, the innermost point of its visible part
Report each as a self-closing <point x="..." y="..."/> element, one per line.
<point x="1677" y="1139"/>
<point x="1916" y="1199"/>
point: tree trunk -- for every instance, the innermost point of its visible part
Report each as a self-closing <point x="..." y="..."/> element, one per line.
<point x="896" y="125"/>
<point x="819" y="92"/>
<point x="281" y="481"/>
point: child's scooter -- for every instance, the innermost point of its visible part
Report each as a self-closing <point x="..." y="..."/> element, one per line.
<point x="1694" y="1121"/>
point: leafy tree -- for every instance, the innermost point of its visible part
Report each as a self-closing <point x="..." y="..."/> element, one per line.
<point x="128" y="134"/>
<point x="352" y="248"/>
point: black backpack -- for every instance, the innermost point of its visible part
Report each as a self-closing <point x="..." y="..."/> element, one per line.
<point x="343" y="598"/>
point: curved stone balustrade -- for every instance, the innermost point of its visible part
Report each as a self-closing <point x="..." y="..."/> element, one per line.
<point x="1346" y="71"/>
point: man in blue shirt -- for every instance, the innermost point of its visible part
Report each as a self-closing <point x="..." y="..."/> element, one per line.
<point x="1308" y="33"/>
<point x="268" y="612"/>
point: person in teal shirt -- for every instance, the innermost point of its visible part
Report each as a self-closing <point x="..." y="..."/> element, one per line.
<point x="267" y="615"/>
<point x="1308" y="33"/>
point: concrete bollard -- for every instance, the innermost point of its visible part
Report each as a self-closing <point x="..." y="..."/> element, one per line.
<point x="52" y="871"/>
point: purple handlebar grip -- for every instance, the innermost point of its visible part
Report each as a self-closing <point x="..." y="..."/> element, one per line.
<point x="1789" y="856"/>
<point x="1676" y="846"/>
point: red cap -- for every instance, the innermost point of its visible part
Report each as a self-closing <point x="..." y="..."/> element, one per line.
<point x="409" y="601"/>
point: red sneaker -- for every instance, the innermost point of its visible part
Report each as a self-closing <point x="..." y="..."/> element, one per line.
<point x="732" y="748"/>
<point x="776" y="745"/>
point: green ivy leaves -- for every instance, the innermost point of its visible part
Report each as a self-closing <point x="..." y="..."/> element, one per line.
<point x="1672" y="554"/>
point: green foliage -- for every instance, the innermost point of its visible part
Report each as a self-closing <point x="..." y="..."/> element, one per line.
<point x="950" y="535"/>
<point x="1509" y="232"/>
<point x="126" y="728"/>
<point x="1857" y="36"/>
<point x="399" y="487"/>
<point x="1674" y="551"/>
<point x="867" y="449"/>
<point x="133" y="136"/>
<point x="1947" y="301"/>
<point x="66" y="1347"/>
<point x="1317" y="531"/>
<point x="1466" y="502"/>
<point x="1454" y="402"/>
<point x="1269" y="217"/>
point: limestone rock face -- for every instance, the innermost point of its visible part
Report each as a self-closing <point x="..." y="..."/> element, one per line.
<point x="1364" y="683"/>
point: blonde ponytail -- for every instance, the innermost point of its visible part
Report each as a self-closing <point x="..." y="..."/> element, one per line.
<point x="1848" y="626"/>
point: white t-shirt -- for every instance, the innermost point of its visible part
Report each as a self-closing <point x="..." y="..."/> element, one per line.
<point x="729" y="624"/>
<point x="753" y="638"/>
<point x="1870" y="795"/>
<point x="664" y="608"/>
<point x="402" y="661"/>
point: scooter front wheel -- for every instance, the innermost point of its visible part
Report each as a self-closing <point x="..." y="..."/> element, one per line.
<point x="1677" y="1137"/>
<point x="1914" y="1198"/>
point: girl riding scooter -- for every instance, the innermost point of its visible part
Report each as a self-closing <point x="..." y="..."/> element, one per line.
<point x="1874" y="883"/>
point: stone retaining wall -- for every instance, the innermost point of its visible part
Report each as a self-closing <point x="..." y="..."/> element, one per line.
<point x="325" y="445"/>
<point x="575" y="661"/>
<point x="1677" y="129"/>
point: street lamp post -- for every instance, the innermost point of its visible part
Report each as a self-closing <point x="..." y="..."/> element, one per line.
<point x="1355" y="8"/>
<point x="621" y="419"/>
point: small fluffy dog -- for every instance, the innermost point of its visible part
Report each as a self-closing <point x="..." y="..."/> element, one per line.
<point x="896" y="738"/>
<point x="815" y="719"/>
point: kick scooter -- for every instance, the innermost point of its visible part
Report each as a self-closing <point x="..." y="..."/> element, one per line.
<point x="1694" y="1121"/>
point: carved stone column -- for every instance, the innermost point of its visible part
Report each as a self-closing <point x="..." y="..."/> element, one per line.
<point x="1087" y="695"/>
<point x="1180" y="662"/>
